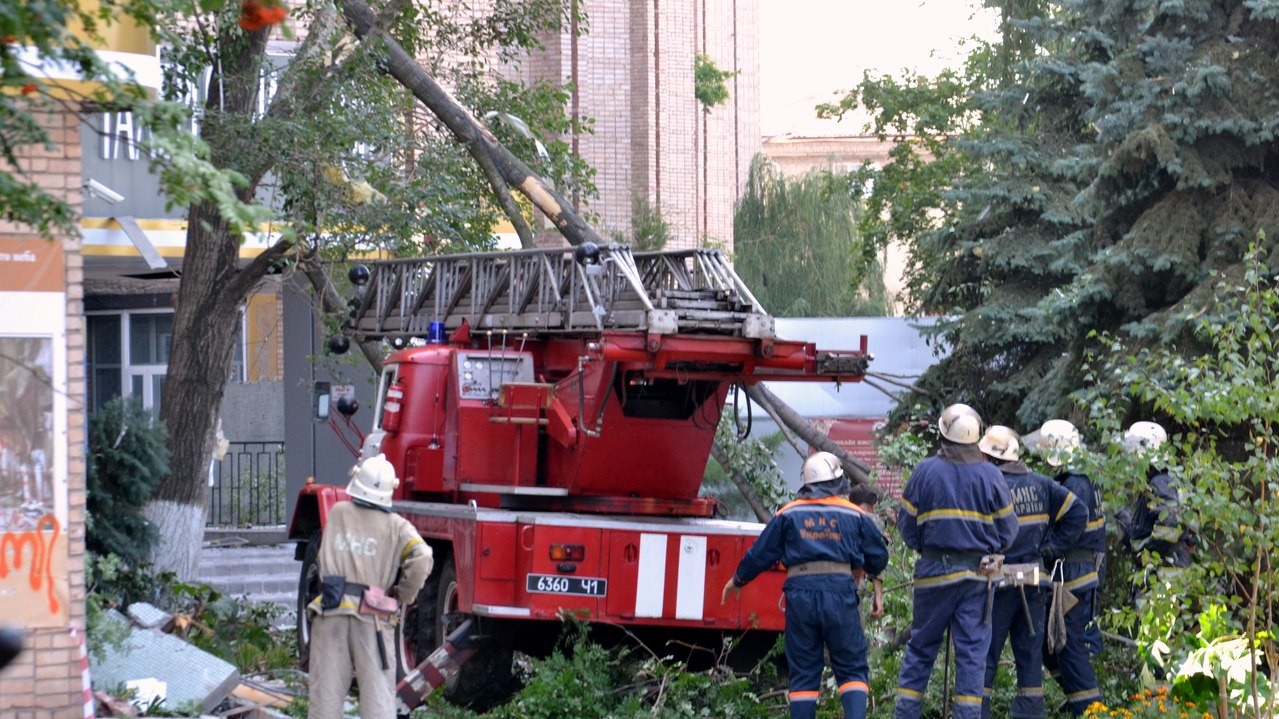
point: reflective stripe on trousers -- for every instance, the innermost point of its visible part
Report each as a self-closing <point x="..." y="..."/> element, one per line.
<point x="960" y="607"/>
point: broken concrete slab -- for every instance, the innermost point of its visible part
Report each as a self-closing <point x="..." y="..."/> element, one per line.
<point x="191" y="675"/>
<point x="148" y="616"/>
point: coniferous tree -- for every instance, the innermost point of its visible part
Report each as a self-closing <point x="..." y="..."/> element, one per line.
<point x="1102" y="185"/>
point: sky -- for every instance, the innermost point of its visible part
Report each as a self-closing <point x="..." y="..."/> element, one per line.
<point x="811" y="49"/>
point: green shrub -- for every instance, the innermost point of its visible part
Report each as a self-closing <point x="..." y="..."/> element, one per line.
<point x="127" y="459"/>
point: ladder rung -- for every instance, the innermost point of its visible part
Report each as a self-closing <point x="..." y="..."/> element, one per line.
<point x="546" y="291"/>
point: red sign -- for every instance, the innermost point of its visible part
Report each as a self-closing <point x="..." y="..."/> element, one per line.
<point x="31" y="265"/>
<point x="857" y="437"/>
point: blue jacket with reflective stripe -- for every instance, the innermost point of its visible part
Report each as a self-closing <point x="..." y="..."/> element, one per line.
<point x="1093" y="538"/>
<point x="816" y="529"/>
<point x="957" y="502"/>
<point x="1047" y="514"/>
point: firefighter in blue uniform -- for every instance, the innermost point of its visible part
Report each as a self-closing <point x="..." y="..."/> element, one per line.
<point x="1048" y="515"/>
<point x="1156" y="521"/>
<point x="955" y="511"/>
<point x="820" y="538"/>
<point x="1081" y="565"/>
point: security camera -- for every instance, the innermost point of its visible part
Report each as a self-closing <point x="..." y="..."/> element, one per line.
<point x="102" y="192"/>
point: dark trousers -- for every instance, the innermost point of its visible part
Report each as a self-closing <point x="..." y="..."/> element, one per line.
<point x="822" y="617"/>
<point x="961" y="607"/>
<point x="1072" y="668"/>
<point x="1023" y="626"/>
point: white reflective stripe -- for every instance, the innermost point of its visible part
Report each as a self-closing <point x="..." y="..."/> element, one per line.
<point x="650" y="587"/>
<point x="494" y="610"/>
<point x="690" y="587"/>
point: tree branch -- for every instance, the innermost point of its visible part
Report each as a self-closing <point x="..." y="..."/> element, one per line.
<point x="331" y="302"/>
<point x="858" y="472"/>
<point x="503" y="192"/>
<point x="467" y="129"/>
<point x="743" y="485"/>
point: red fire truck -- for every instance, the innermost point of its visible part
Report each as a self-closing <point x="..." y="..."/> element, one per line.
<point x="550" y="414"/>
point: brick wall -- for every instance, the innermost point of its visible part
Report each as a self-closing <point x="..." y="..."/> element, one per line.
<point x="45" y="681"/>
<point x="633" y="75"/>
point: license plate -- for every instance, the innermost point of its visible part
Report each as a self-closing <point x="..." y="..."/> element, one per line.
<point x="559" y="584"/>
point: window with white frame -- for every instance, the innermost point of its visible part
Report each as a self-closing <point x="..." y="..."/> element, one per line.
<point x="129" y="356"/>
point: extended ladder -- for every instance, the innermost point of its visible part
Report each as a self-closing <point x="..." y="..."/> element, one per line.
<point x="547" y="291"/>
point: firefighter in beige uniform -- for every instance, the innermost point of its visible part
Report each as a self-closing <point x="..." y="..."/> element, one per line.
<point x="365" y="545"/>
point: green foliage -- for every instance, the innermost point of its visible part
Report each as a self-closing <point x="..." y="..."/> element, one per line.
<point x="750" y="459"/>
<point x="709" y="82"/>
<point x="908" y="445"/>
<point x="45" y="25"/>
<point x="1223" y="456"/>
<point x="796" y="245"/>
<point x="584" y="679"/>
<point x="1087" y="172"/>
<point x="127" y="459"/>
<point x="649" y="230"/>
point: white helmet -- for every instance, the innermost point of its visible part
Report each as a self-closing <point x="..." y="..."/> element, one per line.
<point x="1060" y="440"/>
<point x="1002" y="443"/>
<point x="373" y="480"/>
<point x="960" y="424"/>
<point x="1145" y="437"/>
<point x="821" y="467"/>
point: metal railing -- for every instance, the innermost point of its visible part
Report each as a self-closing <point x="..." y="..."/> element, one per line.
<point x="248" y="486"/>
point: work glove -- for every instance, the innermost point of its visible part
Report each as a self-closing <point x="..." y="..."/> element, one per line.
<point x="1049" y="554"/>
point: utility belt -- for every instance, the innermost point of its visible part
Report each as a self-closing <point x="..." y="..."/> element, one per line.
<point x="373" y="601"/>
<point x="1080" y="555"/>
<point x="968" y="560"/>
<point x="819" y="567"/>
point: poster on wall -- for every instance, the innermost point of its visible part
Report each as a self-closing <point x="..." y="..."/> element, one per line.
<point x="33" y="545"/>
<point x="34" y="556"/>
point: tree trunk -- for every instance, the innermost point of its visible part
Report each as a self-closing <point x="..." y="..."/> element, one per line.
<point x="857" y="472"/>
<point x="204" y="324"/>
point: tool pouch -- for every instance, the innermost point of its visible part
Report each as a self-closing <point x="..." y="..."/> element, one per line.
<point x="1056" y="639"/>
<point x="374" y="602"/>
<point x="1020" y="575"/>
<point x="332" y="588"/>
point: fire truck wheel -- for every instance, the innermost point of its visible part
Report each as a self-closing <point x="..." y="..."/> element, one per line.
<point x="486" y="680"/>
<point x="308" y="589"/>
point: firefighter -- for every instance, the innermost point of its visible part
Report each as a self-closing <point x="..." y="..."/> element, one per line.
<point x="955" y="511"/>
<point x="1048" y="515"/>
<point x="821" y="538"/>
<point x="364" y="549"/>
<point x="1081" y="566"/>
<point x="865" y="496"/>
<point x="1156" y="516"/>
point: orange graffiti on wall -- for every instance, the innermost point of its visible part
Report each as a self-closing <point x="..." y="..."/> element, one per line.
<point x="40" y="541"/>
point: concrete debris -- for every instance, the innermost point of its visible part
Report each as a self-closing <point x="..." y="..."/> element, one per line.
<point x="191" y="676"/>
<point x="148" y="616"/>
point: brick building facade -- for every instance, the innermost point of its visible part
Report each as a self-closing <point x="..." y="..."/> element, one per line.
<point x="41" y="307"/>
<point x="632" y="74"/>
